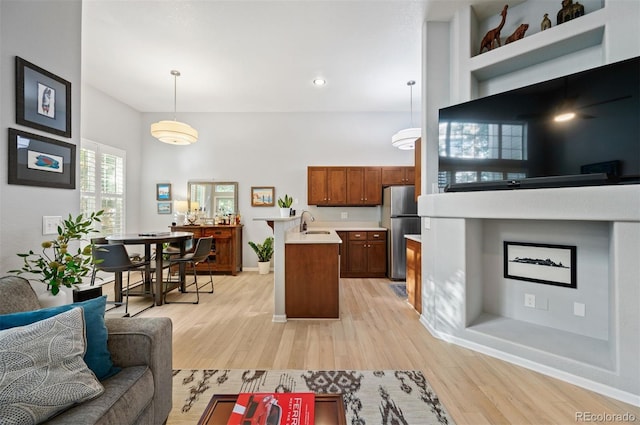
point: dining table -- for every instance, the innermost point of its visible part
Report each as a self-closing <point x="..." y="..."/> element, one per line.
<point x="149" y="239"/>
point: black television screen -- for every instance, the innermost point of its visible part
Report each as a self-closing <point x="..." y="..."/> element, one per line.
<point x="512" y="139"/>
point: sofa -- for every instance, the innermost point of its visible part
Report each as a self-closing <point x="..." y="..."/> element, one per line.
<point x="140" y="348"/>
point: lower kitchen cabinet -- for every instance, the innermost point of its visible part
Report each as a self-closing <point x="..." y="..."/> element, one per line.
<point x="414" y="274"/>
<point x="226" y="250"/>
<point x="364" y="254"/>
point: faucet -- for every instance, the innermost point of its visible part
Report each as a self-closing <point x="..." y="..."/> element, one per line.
<point x="303" y="222"/>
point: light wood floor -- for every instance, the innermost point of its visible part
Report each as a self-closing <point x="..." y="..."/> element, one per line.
<point x="232" y="328"/>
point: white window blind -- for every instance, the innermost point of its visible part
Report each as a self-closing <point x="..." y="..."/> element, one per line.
<point x="102" y="183"/>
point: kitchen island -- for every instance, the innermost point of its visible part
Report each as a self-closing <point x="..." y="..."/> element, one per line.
<point x="312" y="274"/>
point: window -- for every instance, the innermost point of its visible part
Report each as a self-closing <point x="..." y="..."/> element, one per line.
<point x="102" y="183"/>
<point x="481" y="151"/>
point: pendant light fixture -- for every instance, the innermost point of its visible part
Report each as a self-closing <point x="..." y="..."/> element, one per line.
<point x="174" y="132"/>
<point x="405" y="139"/>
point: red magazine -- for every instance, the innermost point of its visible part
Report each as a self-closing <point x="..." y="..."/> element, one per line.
<point x="273" y="409"/>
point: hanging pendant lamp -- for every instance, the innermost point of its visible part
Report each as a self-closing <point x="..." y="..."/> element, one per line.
<point x="406" y="139"/>
<point x="174" y="132"/>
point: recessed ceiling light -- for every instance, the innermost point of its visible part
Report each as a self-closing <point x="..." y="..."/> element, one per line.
<point x="319" y="82"/>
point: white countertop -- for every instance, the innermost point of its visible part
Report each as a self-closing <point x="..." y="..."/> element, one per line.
<point x="417" y="238"/>
<point x="295" y="237"/>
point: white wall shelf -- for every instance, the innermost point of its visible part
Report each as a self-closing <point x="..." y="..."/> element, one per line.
<point x="581" y="33"/>
<point x="569" y="345"/>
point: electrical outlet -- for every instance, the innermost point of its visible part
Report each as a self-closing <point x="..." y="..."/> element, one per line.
<point x="530" y="300"/>
<point x="344" y="215"/>
<point x="50" y="224"/>
<point x="579" y="309"/>
<point x="427" y="222"/>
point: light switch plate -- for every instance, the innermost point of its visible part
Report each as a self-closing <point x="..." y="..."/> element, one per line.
<point x="50" y="224"/>
<point x="579" y="309"/>
<point x="344" y="215"/>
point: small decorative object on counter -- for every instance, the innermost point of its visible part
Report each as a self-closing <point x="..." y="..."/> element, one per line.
<point x="517" y="34"/>
<point x="285" y="205"/>
<point x="493" y="36"/>
<point x="569" y="11"/>
<point x="546" y="22"/>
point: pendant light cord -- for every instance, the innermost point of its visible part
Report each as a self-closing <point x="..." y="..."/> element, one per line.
<point x="175" y="74"/>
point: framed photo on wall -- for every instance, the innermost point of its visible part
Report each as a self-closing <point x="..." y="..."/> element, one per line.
<point x="43" y="100"/>
<point x="541" y="263"/>
<point x="40" y="161"/>
<point x="163" y="191"/>
<point x="262" y="196"/>
<point x="164" y="208"/>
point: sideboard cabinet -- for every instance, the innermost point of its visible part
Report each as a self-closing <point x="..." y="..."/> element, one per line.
<point x="226" y="250"/>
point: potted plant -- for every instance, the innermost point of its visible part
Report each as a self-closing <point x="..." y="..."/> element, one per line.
<point x="57" y="266"/>
<point x="285" y="205"/>
<point x="264" y="251"/>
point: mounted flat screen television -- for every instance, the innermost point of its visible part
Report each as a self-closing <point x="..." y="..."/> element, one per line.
<point x="519" y="139"/>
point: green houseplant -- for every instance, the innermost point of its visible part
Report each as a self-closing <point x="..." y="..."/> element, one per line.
<point x="57" y="266"/>
<point x="285" y="205"/>
<point x="264" y="251"/>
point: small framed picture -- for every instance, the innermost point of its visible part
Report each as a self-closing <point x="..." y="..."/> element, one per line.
<point x="164" y="208"/>
<point x="40" y="161"/>
<point x="163" y="191"/>
<point x="541" y="263"/>
<point x="43" y="100"/>
<point x="262" y="196"/>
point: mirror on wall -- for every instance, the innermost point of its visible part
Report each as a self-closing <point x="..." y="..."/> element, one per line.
<point x="211" y="198"/>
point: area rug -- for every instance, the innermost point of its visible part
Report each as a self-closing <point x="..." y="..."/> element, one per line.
<point x="400" y="289"/>
<point x="370" y="397"/>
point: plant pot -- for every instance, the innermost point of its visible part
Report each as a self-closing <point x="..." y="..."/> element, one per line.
<point x="47" y="299"/>
<point x="284" y="212"/>
<point x="263" y="267"/>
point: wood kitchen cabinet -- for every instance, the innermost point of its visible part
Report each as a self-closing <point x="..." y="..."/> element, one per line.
<point x="365" y="252"/>
<point x="414" y="274"/>
<point x="226" y="250"/>
<point x="326" y="186"/>
<point x="364" y="186"/>
<point x="398" y="176"/>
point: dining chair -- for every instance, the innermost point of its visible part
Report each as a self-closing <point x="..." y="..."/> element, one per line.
<point x="200" y="254"/>
<point x="114" y="258"/>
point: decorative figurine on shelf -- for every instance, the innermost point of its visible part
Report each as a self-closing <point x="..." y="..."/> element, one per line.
<point x="493" y="36"/>
<point x="569" y="11"/>
<point x="546" y="22"/>
<point x="517" y="34"/>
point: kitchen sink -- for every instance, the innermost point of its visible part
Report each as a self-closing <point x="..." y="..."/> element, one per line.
<point x="317" y="232"/>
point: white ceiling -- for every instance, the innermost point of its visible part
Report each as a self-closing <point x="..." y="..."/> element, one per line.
<point x="258" y="56"/>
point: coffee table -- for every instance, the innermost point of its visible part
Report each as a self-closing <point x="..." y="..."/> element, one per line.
<point x="329" y="410"/>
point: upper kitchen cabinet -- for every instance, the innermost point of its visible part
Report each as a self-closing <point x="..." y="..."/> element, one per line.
<point x="364" y="186"/>
<point x="398" y="176"/>
<point x="327" y="186"/>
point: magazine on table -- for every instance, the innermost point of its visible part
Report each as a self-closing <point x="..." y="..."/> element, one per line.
<point x="273" y="409"/>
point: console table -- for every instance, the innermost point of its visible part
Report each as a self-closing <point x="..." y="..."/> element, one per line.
<point x="226" y="250"/>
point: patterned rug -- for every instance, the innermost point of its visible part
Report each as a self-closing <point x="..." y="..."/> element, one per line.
<point x="402" y="397"/>
<point x="400" y="289"/>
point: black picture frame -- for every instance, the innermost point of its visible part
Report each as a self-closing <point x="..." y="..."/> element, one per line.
<point x="541" y="263"/>
<point x="36" y="160"/>
<point x="43" y="100"/>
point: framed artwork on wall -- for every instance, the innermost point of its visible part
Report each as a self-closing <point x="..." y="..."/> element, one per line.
<point x="163" y="191"/>
<point x="262" y="196"/>
<point x="541" y="263"/>
<point x="40" y="161"/>
<point x="43" y="100"/>
<point x="164" y="208"/>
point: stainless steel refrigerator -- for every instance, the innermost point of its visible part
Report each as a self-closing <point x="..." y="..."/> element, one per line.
<point x="400" y="217"/>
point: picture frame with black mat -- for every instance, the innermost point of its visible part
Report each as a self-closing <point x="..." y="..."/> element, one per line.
<point x="36" y="160"/>
<point x="43" y="100"/>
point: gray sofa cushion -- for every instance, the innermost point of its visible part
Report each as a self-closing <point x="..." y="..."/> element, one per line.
<point x="17" y="296"/>
<point x="126" y="396"/>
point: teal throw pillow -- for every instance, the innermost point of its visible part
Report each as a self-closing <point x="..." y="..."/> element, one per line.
<point x="97" y="357"/>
